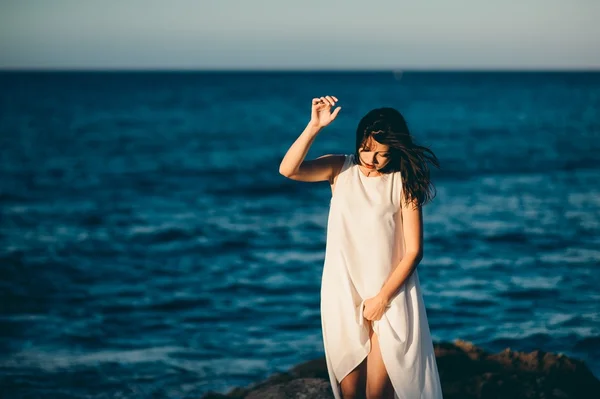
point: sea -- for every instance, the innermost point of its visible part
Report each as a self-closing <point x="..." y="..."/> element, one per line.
<point x="149" y="246"/>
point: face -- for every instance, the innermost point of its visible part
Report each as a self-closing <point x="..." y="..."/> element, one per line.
<point x="374" y="155"/>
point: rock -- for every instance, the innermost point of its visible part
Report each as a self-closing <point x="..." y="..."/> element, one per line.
<point x="466" y="372"/>
<point x="301" y="388"/>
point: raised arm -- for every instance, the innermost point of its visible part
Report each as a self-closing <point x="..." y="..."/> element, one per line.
<point x="322" y="168"/>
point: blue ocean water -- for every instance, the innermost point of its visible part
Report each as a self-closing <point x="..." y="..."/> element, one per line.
<point x="150" y="247"/>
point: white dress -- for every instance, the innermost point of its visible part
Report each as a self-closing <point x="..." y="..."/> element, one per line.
<point x="365" y="242"/>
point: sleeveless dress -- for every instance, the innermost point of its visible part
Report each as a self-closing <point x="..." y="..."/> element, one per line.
<point x="365" y="242"/>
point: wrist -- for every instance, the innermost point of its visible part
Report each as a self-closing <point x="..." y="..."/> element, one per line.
<point x="314" y="126"/>
<point x="384" y="297"/>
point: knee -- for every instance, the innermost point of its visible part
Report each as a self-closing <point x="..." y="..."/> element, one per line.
<point x="352" y="394"/>
<point x="379" y="394"/>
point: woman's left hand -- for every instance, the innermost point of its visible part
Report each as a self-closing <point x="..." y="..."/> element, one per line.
<point x="375" y="307"/>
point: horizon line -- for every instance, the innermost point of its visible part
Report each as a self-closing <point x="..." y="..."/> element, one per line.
<point x="299" y="70"/>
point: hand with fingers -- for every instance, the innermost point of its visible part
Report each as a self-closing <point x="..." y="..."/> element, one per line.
<point x="321" y="114"/>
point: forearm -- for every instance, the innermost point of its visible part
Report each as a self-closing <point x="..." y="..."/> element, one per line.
<point x="399" y="275"/>
<point x="298" y="150"/>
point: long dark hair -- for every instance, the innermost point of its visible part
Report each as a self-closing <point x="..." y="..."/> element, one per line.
<point x="387" y="126"/>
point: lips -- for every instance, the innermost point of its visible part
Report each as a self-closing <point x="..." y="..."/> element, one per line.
<point x="369" y="166"/>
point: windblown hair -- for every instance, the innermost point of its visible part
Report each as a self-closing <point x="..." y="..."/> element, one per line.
<point x="387" y="126"/>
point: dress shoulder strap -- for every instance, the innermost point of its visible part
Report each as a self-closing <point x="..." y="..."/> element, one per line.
<point x="344" y="171"/>
<point x="348" y="161"/>
<point x="397" y="189"/>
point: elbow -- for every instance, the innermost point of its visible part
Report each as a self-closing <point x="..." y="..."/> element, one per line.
<point x="416" y="255"/>
<point x="419" y="257"/>
<point x="283" y="171"/>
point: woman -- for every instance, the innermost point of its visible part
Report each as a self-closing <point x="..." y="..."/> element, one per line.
<point x="375" y="329"/>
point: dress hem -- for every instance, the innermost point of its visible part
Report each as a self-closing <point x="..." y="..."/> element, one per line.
<point x="354" y="359"/>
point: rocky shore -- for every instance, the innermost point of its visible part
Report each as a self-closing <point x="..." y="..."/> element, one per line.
<point x="466" y="372"/>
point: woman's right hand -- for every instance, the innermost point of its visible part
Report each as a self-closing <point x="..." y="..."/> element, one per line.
<point x="321" y="114"/>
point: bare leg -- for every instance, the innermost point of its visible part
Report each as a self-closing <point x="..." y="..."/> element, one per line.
<point x="353" y="385"/>
<point x="379" y="385"/>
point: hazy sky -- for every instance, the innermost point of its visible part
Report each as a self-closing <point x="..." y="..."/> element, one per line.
<point x="278" y="34"/>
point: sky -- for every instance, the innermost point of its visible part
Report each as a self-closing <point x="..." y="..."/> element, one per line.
<point x="308" y="34"/>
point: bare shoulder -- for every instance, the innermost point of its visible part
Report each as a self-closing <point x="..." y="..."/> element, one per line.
<point x="336" y="162"/>
<point x="323" y="168"/>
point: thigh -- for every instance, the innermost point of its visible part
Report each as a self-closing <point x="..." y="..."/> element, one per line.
<point x="354" y="384"/>
<point x="378" y="381"/>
